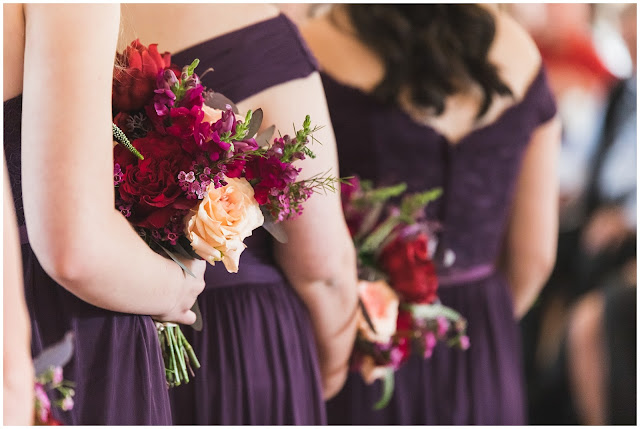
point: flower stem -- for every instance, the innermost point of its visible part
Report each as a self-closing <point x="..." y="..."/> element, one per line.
<point x="180" y="353"/>
<point x="193" y="359"/>
<point x="174" y="366"/>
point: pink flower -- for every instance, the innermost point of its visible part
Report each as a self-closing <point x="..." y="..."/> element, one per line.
<point x="57" y="375"/>
<point x="430" y="342"/>
<point x="67" y="403"/>
<point x="443" y="326"/>
<point x="464" y="342"/>
<point x="43" y="405"/>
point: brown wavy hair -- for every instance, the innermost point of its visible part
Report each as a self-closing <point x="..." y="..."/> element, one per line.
<point x="430" y="51"/>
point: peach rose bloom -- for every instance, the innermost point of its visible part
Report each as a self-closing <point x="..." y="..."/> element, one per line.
<point x="381" y="303"/>
<point x="223" y="219"/>
<point x="211" y="115"/>
<point x="370" y="372"/>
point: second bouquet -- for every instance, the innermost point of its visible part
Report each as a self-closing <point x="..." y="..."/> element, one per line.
<point x="195" y="178"/>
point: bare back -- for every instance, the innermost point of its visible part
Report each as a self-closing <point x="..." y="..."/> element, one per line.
<point x="355" y="65"/>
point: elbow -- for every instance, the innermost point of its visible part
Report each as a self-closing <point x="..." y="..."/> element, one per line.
<point x="335" y="275"/>
<point x="65" y="261"/>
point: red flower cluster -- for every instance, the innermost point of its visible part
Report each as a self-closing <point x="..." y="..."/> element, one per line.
<point x="134" y="78"/>
<point x="150" y="186"/>
<point x="270" y="174"/>
<point x="411" y="271"/>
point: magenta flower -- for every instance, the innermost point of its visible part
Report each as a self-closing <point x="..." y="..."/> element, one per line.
<point x="443" y="326"/>
<point x="117" y="175"/>
<point x="192" y="98"/>
<point x="245" y="145"/>
<point x="43" y="405"/>
<point x="226" y="124"/>
<point x="430" y="342"/>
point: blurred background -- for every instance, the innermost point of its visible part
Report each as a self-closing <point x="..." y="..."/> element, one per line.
<point x="579" y="339"/>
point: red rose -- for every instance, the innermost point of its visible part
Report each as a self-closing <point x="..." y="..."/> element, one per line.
<point x="134" y="79"/>
<point x="121" y="121"/>
<point x="411" y="271"/>
<point x="404" y="322"/>
<point x="151" y="185"/>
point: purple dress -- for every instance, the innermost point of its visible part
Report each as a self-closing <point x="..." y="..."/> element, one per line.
<point x="117" y="365"/>
<point x="257" y="350"/>
<point x="483" y="385"/>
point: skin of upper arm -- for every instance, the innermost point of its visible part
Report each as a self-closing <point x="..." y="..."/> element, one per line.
<point x="533" y="229"/>
<point x="318" y="239"/>
<point x="66" y="133"/>
<point x="16" y="356"/>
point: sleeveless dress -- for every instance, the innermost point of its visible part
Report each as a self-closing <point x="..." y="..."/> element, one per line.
<point x="117" y="364"/>
<point x="483" y="385"/>
<point x="257" y="349"/>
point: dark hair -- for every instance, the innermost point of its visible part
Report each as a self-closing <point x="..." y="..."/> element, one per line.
<point x="430" y="51"/>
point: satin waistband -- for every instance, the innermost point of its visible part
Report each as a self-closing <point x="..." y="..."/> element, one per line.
<point x="256" y="266"/>
<point x="471" y="274"/>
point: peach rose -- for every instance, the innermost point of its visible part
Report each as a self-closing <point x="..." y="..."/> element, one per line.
<point x="370" y="371"/>
<point x="211" y="115"/>
<point x="381" y="303"/>
<point x="223" y="219"/>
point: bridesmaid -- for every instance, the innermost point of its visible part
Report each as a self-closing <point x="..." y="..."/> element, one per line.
<point x="85" y="269"/>
<point x="451" y="96"/>
<point x="277" y="335"/>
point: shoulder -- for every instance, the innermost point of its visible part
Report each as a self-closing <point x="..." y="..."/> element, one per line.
<point x="239" y="16"/>
<point x="342" y="55"/>
<point x="515" y="53"/>
<point x="189" y="27"/>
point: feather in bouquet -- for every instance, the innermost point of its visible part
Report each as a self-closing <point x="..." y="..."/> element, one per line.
<point x="192" y="177"/>
<point x="398" y="288"/>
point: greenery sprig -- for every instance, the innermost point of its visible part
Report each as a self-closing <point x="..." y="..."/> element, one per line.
<point x="120" y="137"/>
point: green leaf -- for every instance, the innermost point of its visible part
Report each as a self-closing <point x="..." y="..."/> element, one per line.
<point x="375" y="239"/>
<point x="57" y="354"/>
<point x="433" y="311"/>
<point x="264" y="138"/>
<point x="177" y="261"/>
<point x="192" y="67"/>
<point x="418" y="201"/>
<point x="218" y="101"/>
<point x="197" y="325"/>
<point x="256" y="121"/>
<point x="387" y="390"/>
<point x="383" y="194"/>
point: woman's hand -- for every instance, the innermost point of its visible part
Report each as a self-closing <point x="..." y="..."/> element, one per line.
<point x="187" y="293"/>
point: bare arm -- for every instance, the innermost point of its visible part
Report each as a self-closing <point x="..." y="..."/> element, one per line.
<point x="16" y="340"/>
<point x="319" y="259"/>
<point x="67" y="163"/>
<point x="530" y="248"/>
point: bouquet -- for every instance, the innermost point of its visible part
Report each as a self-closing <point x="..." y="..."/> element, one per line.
<point x="49" y="380"/>
<point x="401" y="313"/>
<point x="192" y="177"/>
